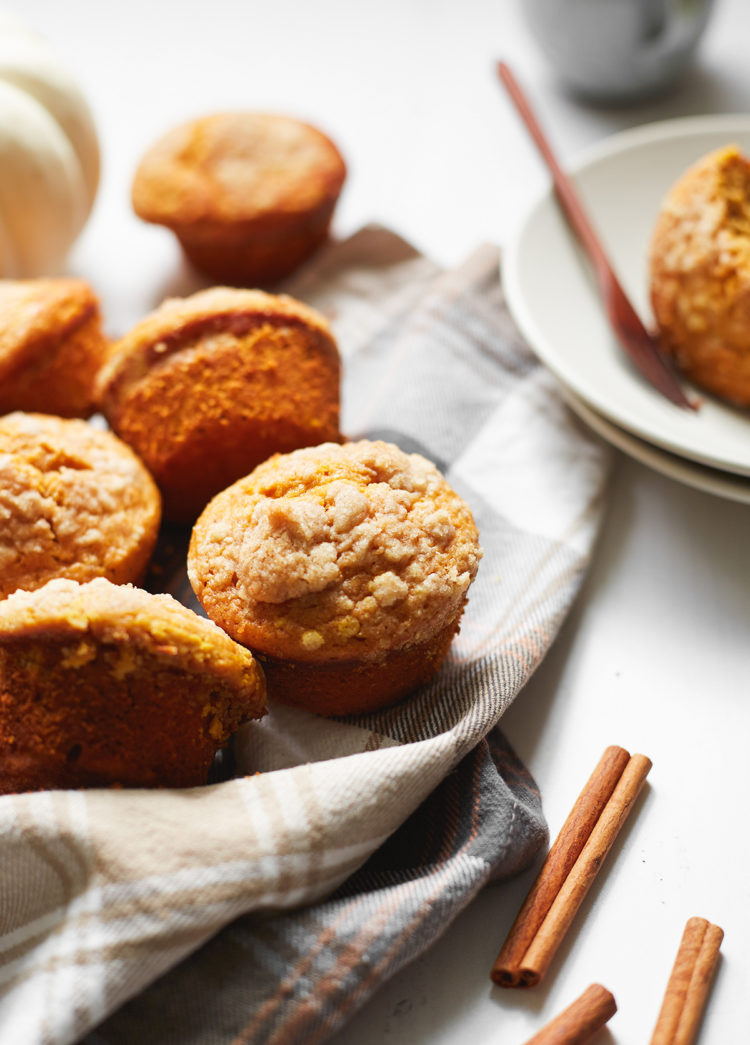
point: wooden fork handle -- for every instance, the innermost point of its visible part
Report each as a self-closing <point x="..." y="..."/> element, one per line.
<point x="566" y="194"/>
<point x="625" y="321"/>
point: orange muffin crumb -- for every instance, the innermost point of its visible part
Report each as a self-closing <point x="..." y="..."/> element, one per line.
<point x="249" y="195"/>
<point x="346" y="568"/>
<point x="51" y="346"/>
<point x="700" y="274"/>
<point x="208" y="386"/>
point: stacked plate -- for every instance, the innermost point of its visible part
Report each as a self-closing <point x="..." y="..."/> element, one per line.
<point x="553" y="298"/>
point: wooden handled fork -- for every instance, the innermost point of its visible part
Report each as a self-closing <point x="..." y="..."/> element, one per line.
<point x="641" y="346"/>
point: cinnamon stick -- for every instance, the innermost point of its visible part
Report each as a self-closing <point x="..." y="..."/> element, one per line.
<point x="564" y="852"/>
<point x="580" y="1021"/>
<point x="570" y="868"/>
<point x="689" y="984"/>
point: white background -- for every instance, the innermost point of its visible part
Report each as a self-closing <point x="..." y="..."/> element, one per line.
<point x="654" y="656"/>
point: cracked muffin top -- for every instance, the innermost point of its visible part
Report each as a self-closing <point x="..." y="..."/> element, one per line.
<point x="51" y="346"/>
<point x="237" y="167"/>
<point x="178" y="326"/>
<point x="335" y="552"/>
<point x="101" y="613"/>
<point x="74" y="502"/>
<point x="35" y="313"/>
<point x="208" y="386"/>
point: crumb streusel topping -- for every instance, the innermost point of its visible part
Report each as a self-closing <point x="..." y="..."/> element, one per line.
<point x="335" y="551"/>
<point x="74" y="501"/>
<point x="86" y="616"/>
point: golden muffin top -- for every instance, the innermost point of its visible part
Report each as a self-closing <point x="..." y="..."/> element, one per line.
<point x="179" y="323"/>
<point x="37" y="313"/>
<point x="335" y="552"/>
<point x="74" y="502"/>
<point x="236" y="166"/>
<point x="101" y="613"/>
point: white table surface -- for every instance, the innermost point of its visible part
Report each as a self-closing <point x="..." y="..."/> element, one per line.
<point x="654" y="656"/>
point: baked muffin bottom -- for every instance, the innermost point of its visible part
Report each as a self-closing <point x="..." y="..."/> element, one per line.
<point x="255" y="254"/>
<point x="350" y="687"/>
<point x="80" y="713"/>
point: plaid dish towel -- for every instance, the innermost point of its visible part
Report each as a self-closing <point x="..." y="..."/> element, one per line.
<point x="267" y="907"/>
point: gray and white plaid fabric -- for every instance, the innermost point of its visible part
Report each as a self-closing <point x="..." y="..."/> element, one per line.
<point x="267" y="907"/>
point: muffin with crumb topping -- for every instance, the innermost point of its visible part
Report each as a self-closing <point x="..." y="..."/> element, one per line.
<point x="207" y="387"/>
<point x="108" y="685"/>
<point x="75" y="502"/>
<point x="345" y="568"/>
<point x="51" y="346"/>
<point x="700" y="274"/>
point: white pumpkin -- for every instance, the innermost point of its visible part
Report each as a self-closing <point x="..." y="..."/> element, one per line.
<point x="49" y="155"/>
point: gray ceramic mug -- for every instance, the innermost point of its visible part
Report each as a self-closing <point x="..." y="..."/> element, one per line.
<point x="617" y="50"/>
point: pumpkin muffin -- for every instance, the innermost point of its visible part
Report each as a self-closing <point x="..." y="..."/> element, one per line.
<point x="51" y="346"/>
<point x="249" y="195"/>
<point x="74" y="502"/>
<point x="700" y="274"/>
<point x="105" y="685"/>
<point x="207" y="387"/>
<point x="345" y="568"/>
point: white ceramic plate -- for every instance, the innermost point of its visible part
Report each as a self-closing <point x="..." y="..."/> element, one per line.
<point x="552" y="296"/>
<point x="699" y="476"/>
